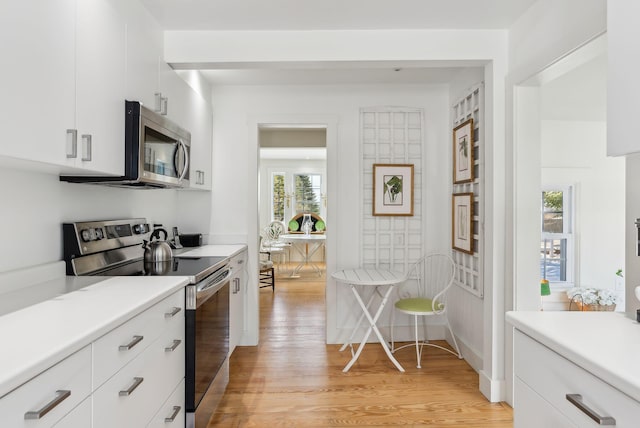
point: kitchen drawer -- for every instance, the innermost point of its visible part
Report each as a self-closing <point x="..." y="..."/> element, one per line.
<point x="80" y="417"/>
<point x="172" y="413"/>
<point x="553" y="377"/>
<point x="73" y="374"/>
<point x="237" y="262"/>
<point x="532" y="411"/>
<point x="156" y="372"/>
<point x="121" y="345"/>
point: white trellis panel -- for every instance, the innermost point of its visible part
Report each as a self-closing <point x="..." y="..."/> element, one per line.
<point x="469" y="266"/>
<point x="391" y="135"/>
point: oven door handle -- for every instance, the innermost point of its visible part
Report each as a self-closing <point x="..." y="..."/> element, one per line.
<point x="219" y="279"/>
<point x="210" y="288"/>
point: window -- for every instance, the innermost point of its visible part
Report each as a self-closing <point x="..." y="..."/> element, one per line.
<point x="294" y="192"/>
<point x="278" y="197"/>
<point x="556" y="247"/>
<point x="308" y="193"/>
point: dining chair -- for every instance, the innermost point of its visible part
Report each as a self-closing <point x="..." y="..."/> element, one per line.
<point x="266" y="277"/>
<point x="424" y="294"/>
<point x="274" y="244"/>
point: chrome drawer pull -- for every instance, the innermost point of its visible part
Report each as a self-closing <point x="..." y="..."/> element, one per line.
<point x="61" y="395"/>
<point x="86" y="147"/>
<point x="134" y="342"/>
<point x="173" y="347"/>
<point x="176" y="410"/>
<point x="576" y="400"/>
<point x="72" y="143"/>
<point x="173" y="312"/>
<point x="136" y="383"/>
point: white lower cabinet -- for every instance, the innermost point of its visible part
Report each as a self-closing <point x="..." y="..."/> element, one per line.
<point x="546" y="383"/>
<point x="133" y="395"/>
<point x="237" y="296"/>
<point x="172" y="413"/>
<point x="106" y="384"/>
<point x="48" y="397"/>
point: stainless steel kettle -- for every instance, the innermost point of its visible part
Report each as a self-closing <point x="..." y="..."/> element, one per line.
<point x="158" y="250"/>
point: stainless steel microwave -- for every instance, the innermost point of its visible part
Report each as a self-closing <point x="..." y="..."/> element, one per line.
<point x="157" y="152"/>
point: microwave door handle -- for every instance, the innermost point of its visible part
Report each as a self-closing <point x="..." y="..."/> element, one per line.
<point x="186" y="160"/>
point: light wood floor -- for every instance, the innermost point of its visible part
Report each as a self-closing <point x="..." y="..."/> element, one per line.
<point x="293" y="379"/>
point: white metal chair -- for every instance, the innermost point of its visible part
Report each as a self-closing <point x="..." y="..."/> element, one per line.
<point x="272" y="242"/>
<point x="266" y="277"/>
<point x="424" y="294"/>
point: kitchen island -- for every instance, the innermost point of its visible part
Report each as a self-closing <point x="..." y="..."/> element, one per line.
<point x="564" y="358"/>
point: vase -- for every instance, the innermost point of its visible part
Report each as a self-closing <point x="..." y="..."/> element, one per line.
<point x="307" y="224"/>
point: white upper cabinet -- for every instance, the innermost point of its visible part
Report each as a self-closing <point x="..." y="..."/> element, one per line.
<point x="63" y="84"/>
<point x="189" y="110"/>
<point x="38" y="79"/>
<point x="68" y="67"/>
<point x="623" y="87"/>
<point x="100" y="85"/>
<point x="144" y="50"/>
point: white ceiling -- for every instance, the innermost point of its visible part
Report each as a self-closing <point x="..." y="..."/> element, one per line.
<point x="334" y="14"/>
<point x="237" y="15"/>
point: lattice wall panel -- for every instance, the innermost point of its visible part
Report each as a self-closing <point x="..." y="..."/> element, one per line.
<point x="469" y="266"/>
<point x="391" y="135"/>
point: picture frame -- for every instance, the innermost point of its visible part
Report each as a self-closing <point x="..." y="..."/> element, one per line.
<point x="393" y="189"/>
<point x="463" y="153"/>
<point x="462" y="222"/>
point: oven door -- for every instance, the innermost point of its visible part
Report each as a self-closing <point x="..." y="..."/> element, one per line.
<point x="207" y="346"/>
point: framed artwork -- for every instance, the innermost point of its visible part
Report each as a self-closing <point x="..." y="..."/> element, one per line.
<point x="463" y="152"/>
<point x="462" y="222"/>
<point x="393" y="189"/>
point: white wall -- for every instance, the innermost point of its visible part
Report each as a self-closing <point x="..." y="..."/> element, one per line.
<point x="548" y="31"/>
<point x="574" y="153"/>
<point x="236" y="105"/>
<point x="35" y="204"/>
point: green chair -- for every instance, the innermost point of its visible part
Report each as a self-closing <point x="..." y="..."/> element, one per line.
<point x="424" y="294"/>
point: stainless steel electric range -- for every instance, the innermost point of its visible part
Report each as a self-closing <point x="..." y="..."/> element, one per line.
<point x="115" y="248"/>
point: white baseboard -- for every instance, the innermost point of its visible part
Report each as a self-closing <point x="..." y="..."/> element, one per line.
<point x="493" y="389"/>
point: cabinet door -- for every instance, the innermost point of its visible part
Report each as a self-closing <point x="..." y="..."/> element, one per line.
<point x="100" y="86"/>
<point x="237" y="298"/>
<point x="144" y="50"/>
<point x="37" y="40"/>
<point x="623" y="87"/>
<point x="201" y="138"/>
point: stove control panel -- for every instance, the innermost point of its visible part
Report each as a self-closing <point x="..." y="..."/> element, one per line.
<point x="90" y="237"/>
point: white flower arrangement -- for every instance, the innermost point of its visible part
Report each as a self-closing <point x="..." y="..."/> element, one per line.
<point x="591" y="296"/>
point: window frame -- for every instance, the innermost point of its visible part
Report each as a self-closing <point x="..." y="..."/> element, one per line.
<point x="568" y="234"/>
<point x="289" y="186"/>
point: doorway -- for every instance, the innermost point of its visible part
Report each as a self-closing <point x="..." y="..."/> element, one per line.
<point x="292" y="121"/>
<point x="292" y="184"/>
<point x="562" y="172"/>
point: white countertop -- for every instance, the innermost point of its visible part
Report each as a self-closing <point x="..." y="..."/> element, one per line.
<point x="38" y="336"/>
<point x="606" y="344"/>
<point x="213" y="250"/>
